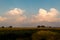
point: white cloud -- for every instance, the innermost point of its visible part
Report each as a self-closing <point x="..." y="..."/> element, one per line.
<point x="15" y="11"/>
<point x="46" y="16"/>
<point x="21" y="18"/>
<point x="14" y="17"/>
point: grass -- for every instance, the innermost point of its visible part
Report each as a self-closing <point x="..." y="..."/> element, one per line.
<point x="25" y="33"/>
<point x="30" y="28"/>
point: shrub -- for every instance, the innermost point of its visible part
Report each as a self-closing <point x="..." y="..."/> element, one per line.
<point x="10" y="26"/>
<point x="2" y="26"/>
<point x="42" y="26"/>
<point x="44" y="35"/>
<point x="38" y="26"/>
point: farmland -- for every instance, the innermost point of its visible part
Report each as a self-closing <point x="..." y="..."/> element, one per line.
<point x="23" y="33"/>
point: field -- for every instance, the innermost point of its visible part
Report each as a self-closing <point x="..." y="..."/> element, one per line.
<point x="23" y="33"/>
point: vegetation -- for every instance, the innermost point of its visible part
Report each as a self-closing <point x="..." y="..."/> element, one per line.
<point x="2" y="26"/>
<point x="42" y="26"/>
<point x="44" y="35"/>
<point x="38" y="26"/>
<point x="29" y="33"/>
<point x="10" y="26"/>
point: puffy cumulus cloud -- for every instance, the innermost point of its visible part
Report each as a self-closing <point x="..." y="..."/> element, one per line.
<point x="21" y="18"/>
<point x="13" y="17"/>
<point x="16" y="17"/>
<point x="2" y="18"/>
<point x="15" y="11"/>
<point x="46" y="16"/>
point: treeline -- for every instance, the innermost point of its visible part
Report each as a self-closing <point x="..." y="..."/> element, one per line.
<point x="38" y="26"/>
<point x="8" y="27"/>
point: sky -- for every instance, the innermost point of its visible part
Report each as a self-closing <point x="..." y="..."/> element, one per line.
<point x="28" y="13"/>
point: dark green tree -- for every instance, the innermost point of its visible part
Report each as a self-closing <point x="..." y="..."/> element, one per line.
<point x="38" y="26"/>
<point x="50" y="27"/>
<point x="2" y="26"/>
<point x="42" y="26"/>
<point x="10" y="26"/>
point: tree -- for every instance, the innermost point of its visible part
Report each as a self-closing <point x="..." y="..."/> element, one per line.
<point x="38" y="26"/>
<point x="50" y="27"/>
<point x="10" y="26"/>
<point x="2" y="26"/>
<point x="42" y="26"/>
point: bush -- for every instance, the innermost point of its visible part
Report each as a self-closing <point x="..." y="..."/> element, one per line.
<point x="42" y="26"/>
<point x="2" y="26"/>
<point x="38" y="26"/>
<point x="44" y="35"/>
<point x="10" y="26"/>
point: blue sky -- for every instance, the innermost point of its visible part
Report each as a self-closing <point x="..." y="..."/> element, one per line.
<point x="31" y="6"/>
<point x="39" y="8"/>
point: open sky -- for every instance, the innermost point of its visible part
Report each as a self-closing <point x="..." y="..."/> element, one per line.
<point x="29" y="12"/>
